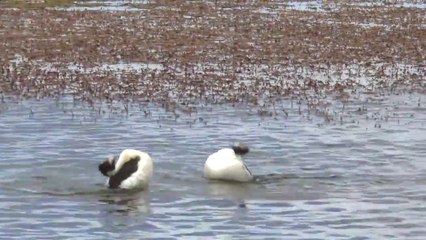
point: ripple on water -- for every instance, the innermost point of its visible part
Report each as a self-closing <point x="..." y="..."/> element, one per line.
<point x="314" y="182"/>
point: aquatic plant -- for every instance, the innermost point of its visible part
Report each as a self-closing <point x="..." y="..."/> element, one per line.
<point x="182" y="55"/>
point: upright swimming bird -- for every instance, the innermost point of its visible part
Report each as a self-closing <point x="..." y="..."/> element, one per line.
<point x="132" y="170"/>
<point x="227" y="164"/>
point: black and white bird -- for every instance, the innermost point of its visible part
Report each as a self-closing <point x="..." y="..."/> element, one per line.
<point x="227" y="164"/>
<point x="132" y="170"/>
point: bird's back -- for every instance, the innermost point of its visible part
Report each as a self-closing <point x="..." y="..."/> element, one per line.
<point x="226" y="165"/>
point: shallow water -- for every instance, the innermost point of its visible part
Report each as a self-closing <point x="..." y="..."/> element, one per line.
<point x="361" y="177"/>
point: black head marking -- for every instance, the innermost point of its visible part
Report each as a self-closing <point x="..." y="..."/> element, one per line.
<point x="240" y="149"/>
<point x="125" y="171"/>
<point x="106" y="166"/>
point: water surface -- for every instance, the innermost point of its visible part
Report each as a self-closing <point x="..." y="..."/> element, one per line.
<point x="359" y="177"/>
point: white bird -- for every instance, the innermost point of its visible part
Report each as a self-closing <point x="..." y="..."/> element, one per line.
<point x="132" y="170"/>
<point x="227" y="164"/>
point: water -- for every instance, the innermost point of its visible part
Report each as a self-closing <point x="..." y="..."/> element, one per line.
<point x="310" y="6"/>
<point x="360" y="177"/>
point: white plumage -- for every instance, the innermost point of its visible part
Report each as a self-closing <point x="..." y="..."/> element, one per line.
<point x="227" y="164"/>
<point x="133" y="169"/>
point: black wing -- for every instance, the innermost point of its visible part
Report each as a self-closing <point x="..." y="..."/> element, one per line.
<point x="245" y="166"/>
<point x="125" y="171"/>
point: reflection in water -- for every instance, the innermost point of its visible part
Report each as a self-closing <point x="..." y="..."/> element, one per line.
<point x="126" y="202"/>
<point x="235" y="191"/>
<point x="231" y="190"/>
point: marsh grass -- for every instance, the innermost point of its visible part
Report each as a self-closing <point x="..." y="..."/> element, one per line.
<point x="39" y="4"/>
<point x="228" y="52"/>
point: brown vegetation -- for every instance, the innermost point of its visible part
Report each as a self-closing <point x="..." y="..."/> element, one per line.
<point x="212" y="52"/>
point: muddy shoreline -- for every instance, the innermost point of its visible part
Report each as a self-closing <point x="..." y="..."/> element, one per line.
<point x="181" y="55"/>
